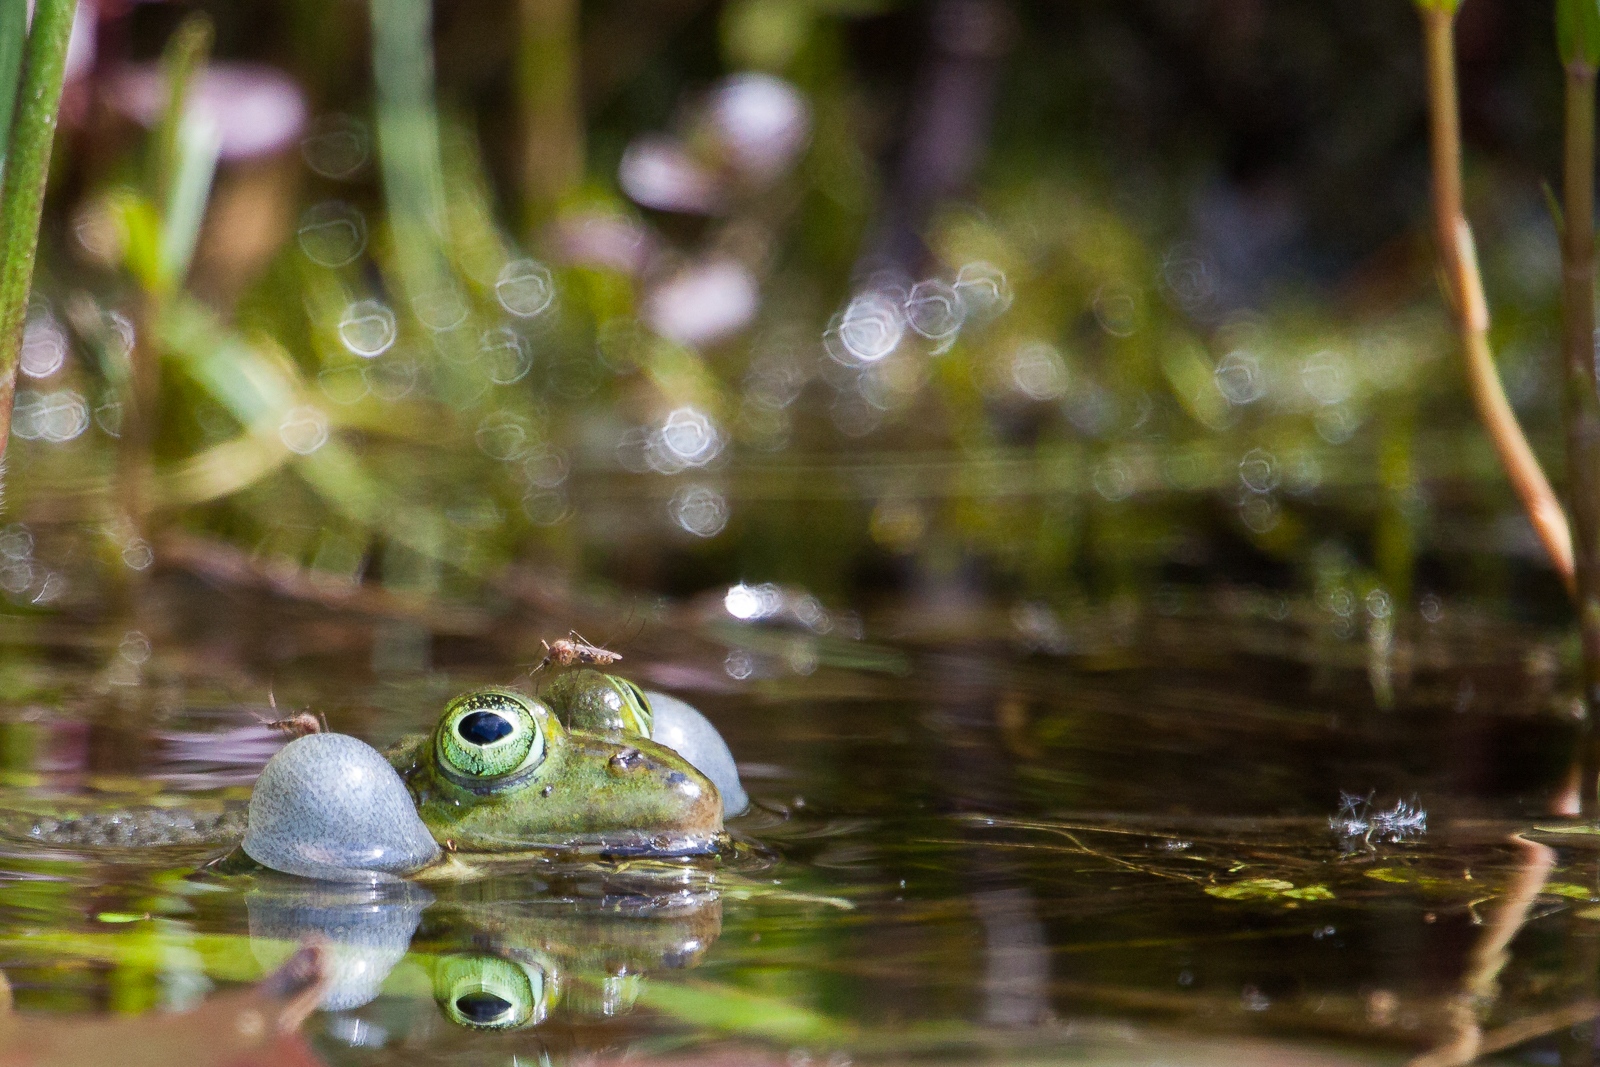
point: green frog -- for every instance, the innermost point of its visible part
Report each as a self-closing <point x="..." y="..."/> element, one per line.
<point x="500" y="777"/>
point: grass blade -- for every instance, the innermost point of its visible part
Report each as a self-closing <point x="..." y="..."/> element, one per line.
<point x="27" y="168"/>
<point x="13" y="35"/>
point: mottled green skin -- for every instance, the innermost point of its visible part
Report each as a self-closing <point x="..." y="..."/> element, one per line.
<point x="589" y="792"/>
<point x="603" y="703"/>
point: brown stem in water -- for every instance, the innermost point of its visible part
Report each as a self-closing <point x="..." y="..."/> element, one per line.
<point x="1581" y="401"/>
<point x="1459" y="260"/>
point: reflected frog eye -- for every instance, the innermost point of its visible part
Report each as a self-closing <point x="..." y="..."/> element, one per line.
<point x="490" y="993"/>
<point x="490" y="733"/>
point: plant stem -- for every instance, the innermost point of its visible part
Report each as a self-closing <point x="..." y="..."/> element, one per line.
<point x="27" y="169"/>
<point x="1459" y="260"/>
<point x="547" y="88"/>
<point x="408" y="144"/>
<point x="1581" y="402"/>
<point x="13" y="37"/>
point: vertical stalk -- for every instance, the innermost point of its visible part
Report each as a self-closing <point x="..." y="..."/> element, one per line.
<point x="1581" y="403"/>
<point x="552" y="123"/>
<point x="1459" y="260"/>
<point x="181" y="163"/>
<point x="13" y="36"/>
<point x="408" y="143"/>
<point x="27" y="169"/>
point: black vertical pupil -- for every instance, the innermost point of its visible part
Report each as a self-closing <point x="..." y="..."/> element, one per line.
<point x="482" y="1006"/>
<point x="484" y="727"/>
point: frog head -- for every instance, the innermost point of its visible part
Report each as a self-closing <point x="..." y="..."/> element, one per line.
<point x="500" y="773"/>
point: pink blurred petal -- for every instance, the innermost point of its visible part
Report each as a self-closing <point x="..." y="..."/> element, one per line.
<point x="612" y="242"/>
<point x="80" y="46"/>
<point x="763" y="123"/>
<point x="703" y="304"/>
<point x="657" y="172"/>
<point x="257" y="109"/>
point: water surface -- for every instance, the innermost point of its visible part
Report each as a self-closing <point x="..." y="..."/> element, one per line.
<point x="968" y="847"/>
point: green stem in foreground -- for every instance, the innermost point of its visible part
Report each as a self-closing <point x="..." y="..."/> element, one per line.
<point x="1459" y="259"/>
<point x="13" y="36"/>
<point x="1581" y="402"/>
<point x="27" y="168"/>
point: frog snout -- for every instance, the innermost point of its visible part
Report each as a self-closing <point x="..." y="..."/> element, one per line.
<point x="681" y="797"/>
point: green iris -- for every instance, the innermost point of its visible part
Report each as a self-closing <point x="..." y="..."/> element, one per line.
<point x="490" y="733"/>
<point x="491" y="993"/>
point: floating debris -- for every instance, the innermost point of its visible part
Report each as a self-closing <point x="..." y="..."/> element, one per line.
<point x="1357" y="817"/>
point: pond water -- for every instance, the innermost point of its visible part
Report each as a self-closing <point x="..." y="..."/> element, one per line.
<point x="1133" y="849"/>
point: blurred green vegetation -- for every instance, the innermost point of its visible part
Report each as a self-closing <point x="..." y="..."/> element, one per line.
<point x="977" y="299"/>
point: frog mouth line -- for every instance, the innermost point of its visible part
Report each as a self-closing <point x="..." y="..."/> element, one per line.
<point x="612" y="843"/>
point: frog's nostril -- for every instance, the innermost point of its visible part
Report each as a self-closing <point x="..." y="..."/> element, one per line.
<point x="484" y="727"/>
<point x="629" y="759"/>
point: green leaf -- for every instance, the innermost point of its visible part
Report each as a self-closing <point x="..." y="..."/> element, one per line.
<point x="1567" y="889"/>
<point x="1401" y="876"/>
<point x="195" y="155"/>
<point x="1439" y="5"/>
<point x="1310" y="892"/>
<point x="1269" y="889"/>
<point x="1578" y="32"/>
<point x="183" y="58"/>
<point x="739" y="1011"/>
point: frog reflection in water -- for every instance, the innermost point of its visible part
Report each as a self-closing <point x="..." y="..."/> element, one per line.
<point x="584" y="945"/>
<point x="587" y="962"/>
<point x="500" y="774"/>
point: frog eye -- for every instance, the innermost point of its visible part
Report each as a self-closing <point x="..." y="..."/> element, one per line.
<point x="490" y="993"/>
<point x="630" y="704"/>
<point x="644" y="717"/>
<point x="490" y="733"/>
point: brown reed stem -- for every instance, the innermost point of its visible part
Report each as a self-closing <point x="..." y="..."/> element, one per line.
<point x="1459" y="260"/>
<point x="1581" y="402"/>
